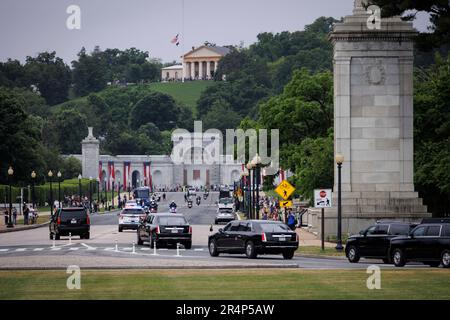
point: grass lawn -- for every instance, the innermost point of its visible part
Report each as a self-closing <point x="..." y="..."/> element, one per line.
<point x="187" y="93"/>
<point x="41" y="219"/>
<point x="318" y="251"/>
<point x="221" y="284"/>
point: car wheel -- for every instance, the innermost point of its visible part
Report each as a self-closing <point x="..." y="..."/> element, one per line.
<point x="120" y="229"/>
<point x="57" y="236"/>
<point x="188" y="245"/>
<point x="446" y="258"/>
<point x="387" y="261"/>
<point x="398" y="257"/>
<point x="250" y="250"/>
<point x="139" y="240"/>
<point x="81" y="236"/>
<point x="288" y="255"/>
<point x="353" y="254"/>
<point x="213" y="248"/>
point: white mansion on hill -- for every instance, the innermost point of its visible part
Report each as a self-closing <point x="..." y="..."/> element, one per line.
<point x="198" y="64"/>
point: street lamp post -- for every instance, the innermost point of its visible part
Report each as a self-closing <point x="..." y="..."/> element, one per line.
<point x="59" y="188"/>
<point x="33" y="194"/>
<point x="106" y="195"/>
<point x="90" y="194"/>
<point x="257" y="165"/>
<point x="98" y="192"/>
<point x="10" y="175"/>
<point x="249" y="168"/>
<point x="79" y="186"/>
<point x="119" y="204"/>
<point x="50" y="176"/>
<point x="339" y="161"/>
<point x="112" y="193"/>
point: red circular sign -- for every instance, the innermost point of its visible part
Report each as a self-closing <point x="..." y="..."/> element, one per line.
<point x="323" y="194"/>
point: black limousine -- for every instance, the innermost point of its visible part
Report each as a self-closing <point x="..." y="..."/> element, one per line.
<point x="253" y="237"/>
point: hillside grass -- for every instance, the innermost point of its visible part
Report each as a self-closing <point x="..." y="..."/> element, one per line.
<point x="186" y="93"/>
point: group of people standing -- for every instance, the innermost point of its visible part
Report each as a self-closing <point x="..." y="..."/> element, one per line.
<point x="30" y="215"/>
<point x="270" y="210"/>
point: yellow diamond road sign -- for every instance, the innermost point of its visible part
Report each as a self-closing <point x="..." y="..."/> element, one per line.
<point x="286" y="204"/>
<point x="285" y="189"/>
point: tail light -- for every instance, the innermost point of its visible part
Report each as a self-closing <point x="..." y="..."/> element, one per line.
<point x="190" y="230"/>
<point x="263" y="237"/>
<point x="88" y="220"/>
<point x="158" y="230"/>
<point x="58" y="221"/>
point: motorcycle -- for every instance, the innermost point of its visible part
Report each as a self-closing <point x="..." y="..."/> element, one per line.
<point x="189" y="204"/>
<point x="153" y="210"/>
<point x="205" y="196"/>
<point x="198" y="201"/>
<point x="173" y="210"/>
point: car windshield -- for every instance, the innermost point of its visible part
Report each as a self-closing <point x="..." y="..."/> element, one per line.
<point x="66" y="215"/>
<point x="142" y="194"/>
<point x="225" y="201"/>
<point x="132" y="212"/>
<point x="172" y="221"/>
<point x="274" y="227"/>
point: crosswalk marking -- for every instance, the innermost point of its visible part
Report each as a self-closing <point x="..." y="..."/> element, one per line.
<point x="56" y="249"/>
<point x="21" y="249"/>
<point x="198" y="249"/>
<point x="145" y="249"/>
<point x="38" y="249"/>
<point x="4" y="250"/>
<point x="73" y="249"/>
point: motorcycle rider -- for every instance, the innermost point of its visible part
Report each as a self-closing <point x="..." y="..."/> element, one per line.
<point x="173" y="206"/>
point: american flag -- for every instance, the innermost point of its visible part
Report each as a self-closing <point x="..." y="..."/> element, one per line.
<point x="175" y="40"/>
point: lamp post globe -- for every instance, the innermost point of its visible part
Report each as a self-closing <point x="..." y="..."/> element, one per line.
<point x="339" y="161"/>
<point x="50" y="176"/>
<point x="59" y="175"/>
<point x="10" y="175"/>
<point x="33" y="179"/>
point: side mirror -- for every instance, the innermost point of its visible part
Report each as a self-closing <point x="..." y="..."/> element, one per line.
<point x="220" y="230"/>
<point x="362" y="232"/>
<point x="411" y="234"/>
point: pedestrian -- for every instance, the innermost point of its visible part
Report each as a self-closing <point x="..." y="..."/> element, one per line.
<point x="26" y="212"/>
<point x="14" y="216"/>
<point x="291" y="220"/>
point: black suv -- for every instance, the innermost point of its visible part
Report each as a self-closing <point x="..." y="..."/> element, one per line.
<point x="165" y="229"/>
<point x="374" y="242"/>
<point x="428" y="243"/>
<point x="70" y="220"/>
<point x="254" y="237"/>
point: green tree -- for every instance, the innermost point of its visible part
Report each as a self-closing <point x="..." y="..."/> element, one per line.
<point x="221" y="117"/>
<point x="156" y="107"/>
<point x="90" y="73"/>
<point x="50" y="75"/>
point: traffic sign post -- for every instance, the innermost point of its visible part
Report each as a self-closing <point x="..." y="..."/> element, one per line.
<point x="286" y="204"/>
<point x="322" y="200"/>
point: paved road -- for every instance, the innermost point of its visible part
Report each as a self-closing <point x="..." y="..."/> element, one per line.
<point x="108" y="248"/>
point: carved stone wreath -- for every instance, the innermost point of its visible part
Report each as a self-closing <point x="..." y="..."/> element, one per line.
<point x="375" y="75"/>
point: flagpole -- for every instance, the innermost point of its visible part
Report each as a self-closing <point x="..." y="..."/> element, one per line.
<point x="182" y="40"/>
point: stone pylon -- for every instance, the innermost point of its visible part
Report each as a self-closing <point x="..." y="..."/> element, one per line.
<point x="373" y="121"/>
<point x="90" y="151"/>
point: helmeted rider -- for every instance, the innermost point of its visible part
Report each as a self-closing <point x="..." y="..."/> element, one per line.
<point x="172" y="205"/>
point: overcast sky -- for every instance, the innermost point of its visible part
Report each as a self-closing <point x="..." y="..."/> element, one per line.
<point x="32" y="26"/>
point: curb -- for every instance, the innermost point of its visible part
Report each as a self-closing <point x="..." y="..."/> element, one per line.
<point x="320" y="257"/>
<point x="25" y="228"/>
<point x="287" y="266"/>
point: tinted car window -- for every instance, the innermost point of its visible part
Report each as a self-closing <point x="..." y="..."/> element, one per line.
<point x="420" y="231"/>
<point x="169" y="221"/>
<point x="382" y="229"/>
<point x="274" y="227"/>
<point x="398" y="229"/>
<point x="244" y="227"/>
<point x="227" y="227"/>
<point x="371" y="230"/>
<point x="434" y="231"/>
<point x="67" y="215"/>
<point x="446" y="231"/>
<point x="234" y="227"/>
<point x="132" y="211"/>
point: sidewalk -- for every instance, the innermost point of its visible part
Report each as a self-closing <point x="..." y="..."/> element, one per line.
<point x="309" y="239"/>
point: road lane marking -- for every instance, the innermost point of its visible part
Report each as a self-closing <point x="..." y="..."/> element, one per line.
<point x="4" y="250"/>
<point x="88" y="247"/>
<point x="38" y="249"/>
<point x="145" y="249"/>
<point x="73" y="249"/>
<point x="198" y="249"/>
<point x="56" y="249"/>
<point x="21" y="249"/>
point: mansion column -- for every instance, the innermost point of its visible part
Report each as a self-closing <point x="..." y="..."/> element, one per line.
<point x="208" y="70"/>
<point x="192" y="70"/>
<point x="200" y="70"/>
